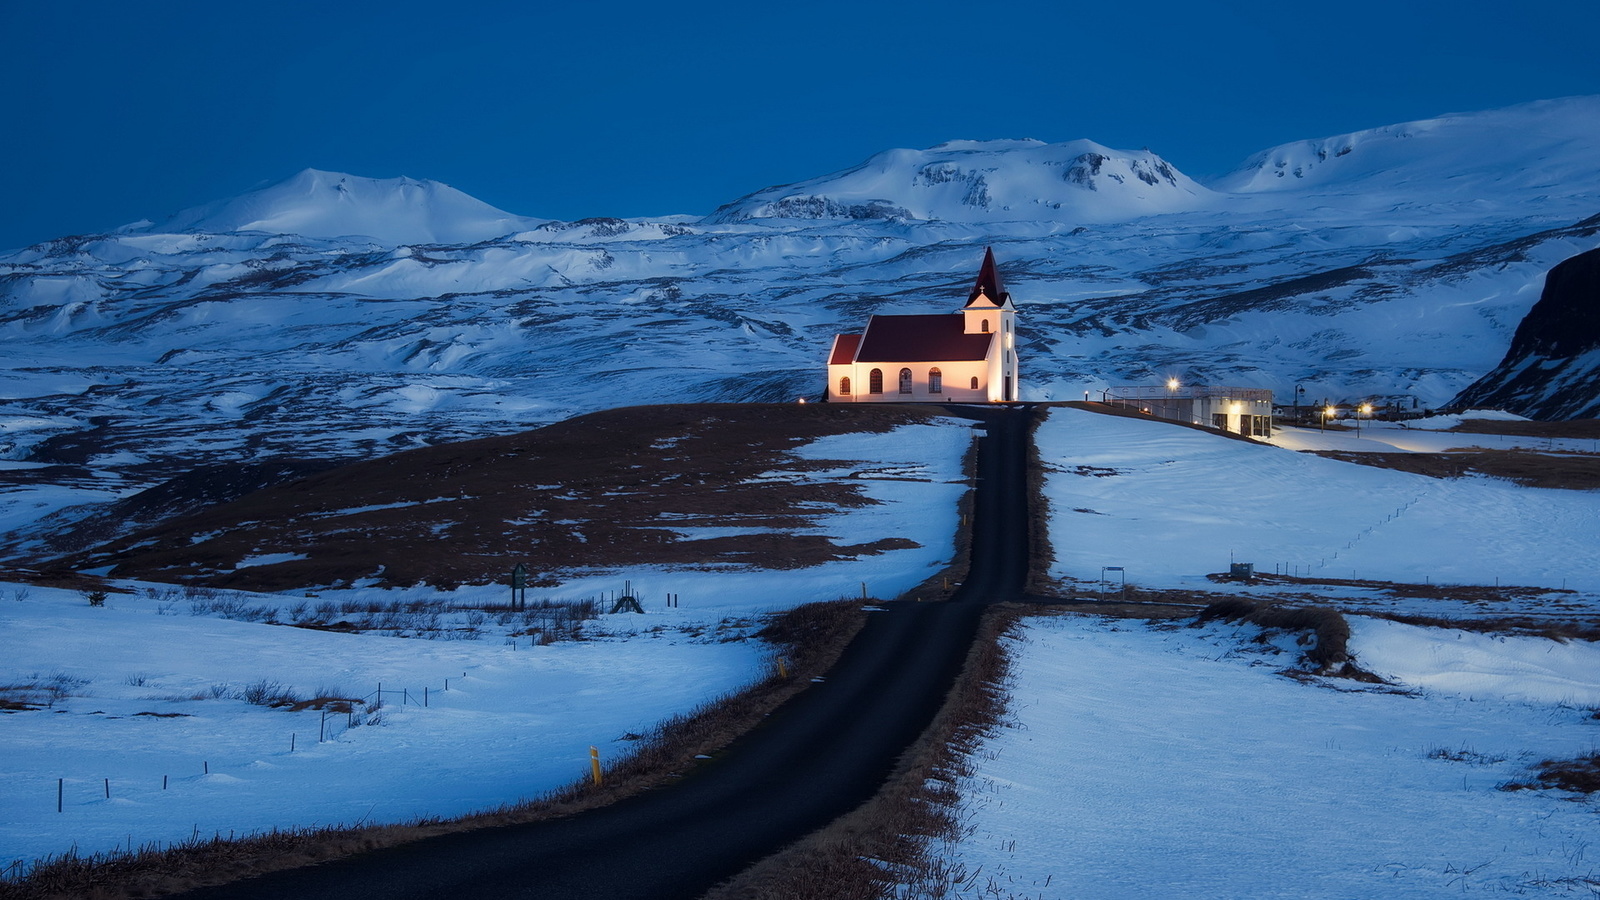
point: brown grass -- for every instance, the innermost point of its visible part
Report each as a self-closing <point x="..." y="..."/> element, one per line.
<point x="1041" y="552"/>
<point x="617" y="488"/>
<point x="1580" y="775"/>
<point x="810" y="638"/>
<point x="1581" y="429"/>
<point x="1568" y="471"/>
<point x="1326" y="632"/>
<point x="1554" y="629"/>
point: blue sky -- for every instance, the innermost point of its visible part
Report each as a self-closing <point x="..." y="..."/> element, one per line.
<point x="121" y="111"/>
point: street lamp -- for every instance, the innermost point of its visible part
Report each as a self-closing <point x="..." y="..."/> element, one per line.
<point x="1172" y="391"/>
<point x="1298" y="393"/>
<point x="1327" y="414"/>
<point x="1365" y="410"/>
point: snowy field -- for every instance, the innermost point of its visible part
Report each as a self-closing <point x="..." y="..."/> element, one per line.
<point x="150" y="691"/>
<point x="1148" y="761"/>
<point x="1163" y="760"/>
<point x="1173" y="504"/>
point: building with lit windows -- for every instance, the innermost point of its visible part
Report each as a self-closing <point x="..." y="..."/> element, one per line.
<point x="964" y="357"/>
<point x="1240" y="410"/>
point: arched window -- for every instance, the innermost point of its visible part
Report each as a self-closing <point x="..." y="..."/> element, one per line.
<point x="844" y="386"/>
<point x="935" y="381"/>
<point x="875" y="381"/>
<point x="905" y="381"/>
<point x="974" y="382"/>
<point x="985" y="326"/>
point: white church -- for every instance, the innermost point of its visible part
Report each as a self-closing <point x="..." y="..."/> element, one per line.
<point x="964" y="357"/>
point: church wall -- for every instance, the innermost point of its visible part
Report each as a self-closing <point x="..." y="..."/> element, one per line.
<point x="956" y="379"/>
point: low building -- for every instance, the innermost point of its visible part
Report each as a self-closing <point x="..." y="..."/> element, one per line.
<point x="964" y="357"/>
<point x="1246" y="411"/>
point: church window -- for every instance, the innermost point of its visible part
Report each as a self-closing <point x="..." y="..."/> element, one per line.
<point x="875" y="381"/>
<point x="985" y="326"/>
<point x="905" y="381"/>
<point x="844" y="386"/>
<point x="974" y="382"/>
<point x="935" y="381"/>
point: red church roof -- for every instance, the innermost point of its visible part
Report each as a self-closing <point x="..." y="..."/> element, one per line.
<point x="844" y="349"/>
<point x="893" y="339"/>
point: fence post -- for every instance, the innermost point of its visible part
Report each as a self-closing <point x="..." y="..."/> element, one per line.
<point x="594" y="764"/>
<point x="424" y="696"/>
<point x="60" y="790"/>
<point x="108" y="789"/>
<point x="291" y="742"/>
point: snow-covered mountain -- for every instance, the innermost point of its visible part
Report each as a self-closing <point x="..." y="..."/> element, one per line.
<point x="263" y="327"/>
<point x="1528" y="153"/>
<point x="331" y="205"/>
<point x="985" y="181"/>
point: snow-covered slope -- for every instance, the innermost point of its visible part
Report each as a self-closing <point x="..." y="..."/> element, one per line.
<point x="255" y="328"/>
<point x="328" y="205"/>
<point x="1528" y="153"/>
<point x="985" y="181"/>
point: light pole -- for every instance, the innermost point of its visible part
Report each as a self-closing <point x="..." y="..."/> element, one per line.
<point x="1172" y="394"/>
<point x="1327" y="413"/>
<point x="1298" y="393"/>
<point x="1365" y="410"/>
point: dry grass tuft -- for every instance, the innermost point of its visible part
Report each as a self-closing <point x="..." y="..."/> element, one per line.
<point x="1580" y="775"/>
<point x="1330" y="633"/>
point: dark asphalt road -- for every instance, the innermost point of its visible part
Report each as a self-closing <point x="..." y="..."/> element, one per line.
<point x="819" y="756"/>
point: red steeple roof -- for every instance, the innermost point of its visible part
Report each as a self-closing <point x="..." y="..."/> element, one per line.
<point x="988" y="282"/>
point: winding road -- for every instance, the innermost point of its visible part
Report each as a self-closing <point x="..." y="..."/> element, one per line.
<point x="817" y="757"/>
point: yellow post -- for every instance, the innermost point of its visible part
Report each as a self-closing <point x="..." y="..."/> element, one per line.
<point x="783" y="671"/>
<point x="594" y="763"/>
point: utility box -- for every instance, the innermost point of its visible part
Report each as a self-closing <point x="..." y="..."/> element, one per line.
<point x="1242" y="571"/>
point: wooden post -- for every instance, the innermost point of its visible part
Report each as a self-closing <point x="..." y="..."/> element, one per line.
<point x="594" y="764"/>
<point x="60" y="791"/>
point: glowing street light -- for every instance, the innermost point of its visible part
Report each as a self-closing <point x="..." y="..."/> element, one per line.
<point x="1327" y="414"/>
<point x="1364" y="410"/>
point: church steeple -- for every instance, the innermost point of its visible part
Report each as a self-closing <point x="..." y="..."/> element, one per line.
<point x="988" y="285"/>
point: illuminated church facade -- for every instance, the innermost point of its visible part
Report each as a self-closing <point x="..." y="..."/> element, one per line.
<point x="964" y="357"/>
